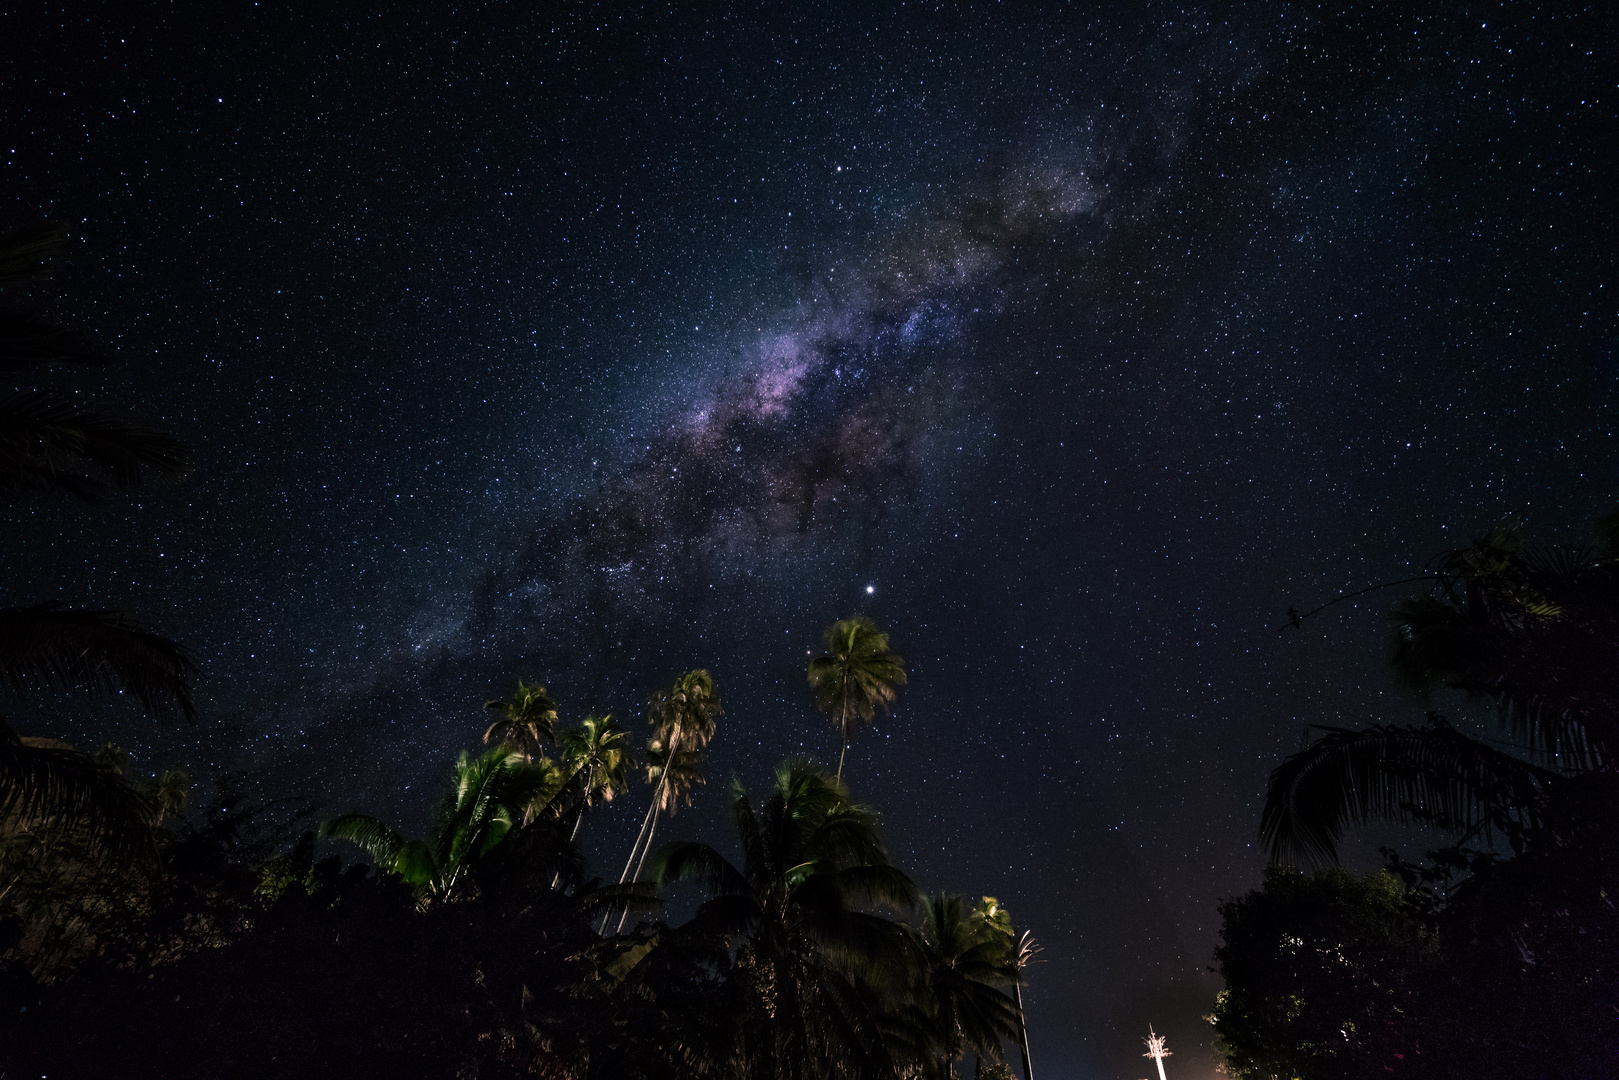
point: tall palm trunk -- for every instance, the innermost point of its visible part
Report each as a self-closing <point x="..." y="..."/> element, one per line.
<point x="1022" y="1031"/>
<point x="578" y="819"/>
<point x="649" y="824"/>
<point x="624" y="875"/>
<point x="843" y="726"/>
<point x="637" y="876"/>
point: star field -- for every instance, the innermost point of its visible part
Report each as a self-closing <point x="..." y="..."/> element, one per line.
<point x="589" y="346"/>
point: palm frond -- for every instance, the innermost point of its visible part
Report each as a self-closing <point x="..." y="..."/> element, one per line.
<point x="31" y="252"/>
<point x="49" y="646"/>
<point x="27" y="340"/>
<point x="1431" y="775"/>
<point x="687" y="860"/>
<point x="376" y="838"/>
<point x="49" y="442"/>
<point x="54" y="786"/>
<point x="630" y="895"/>
<point x="878" y="885"/>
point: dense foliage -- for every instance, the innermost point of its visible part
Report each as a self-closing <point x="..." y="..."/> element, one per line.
<point x="481" y="949"/>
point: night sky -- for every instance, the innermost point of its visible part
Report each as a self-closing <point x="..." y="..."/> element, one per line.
<point x="592" y="345"/>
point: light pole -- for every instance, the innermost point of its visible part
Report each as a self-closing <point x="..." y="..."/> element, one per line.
<point x="1155" y="1050"/>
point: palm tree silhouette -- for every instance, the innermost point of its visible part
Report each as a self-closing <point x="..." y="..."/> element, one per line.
<point x="966" y="957"/>
<point x="855" y="677"/>
<point x="1534" y="632"/>
<point x="526" y="721"/>
<point x="491" y="796"/>
<point x="600" y="750"/>
<point x="817" y="959"/>
<point x="597" y="753"/>
<point x="683" y="719"/>
<point x="50" y="443"/>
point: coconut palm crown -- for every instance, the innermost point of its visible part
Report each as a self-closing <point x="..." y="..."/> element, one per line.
<point x="526" y="723"/>
<point x="801" y="905"/>
<point x="600" y="748"/>
<point x="855" y="677"/>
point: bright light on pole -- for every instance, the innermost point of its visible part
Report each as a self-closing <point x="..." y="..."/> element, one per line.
<point x="1155" y="1050"/>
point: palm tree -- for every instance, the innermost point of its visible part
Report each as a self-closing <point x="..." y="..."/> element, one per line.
<point x="600" y="750"/>
<point x="1533" y="632"/>
<point x="967" y="955"/>
<point x="855" y="677"/>
<point x="526" y="722"/>
<point x="1024" y="951"/>
<point x="51" y="443"/>
<point x="598" y="753"/>
<point x="814" y="954"/>
<point x="683" y="719"/>
<point x="673" y="776"/>
<point x="492" y="795"/>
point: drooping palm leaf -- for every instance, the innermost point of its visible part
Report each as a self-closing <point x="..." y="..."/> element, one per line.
<point x="688" y="860"/>
<point x="27" y="340"/>
<point x="376" y="838"/>
<point x="53" y="786"/>
<point x="49" y="442"/>
<point x="31" y="252"/>
<point x="49" y="646"/>
<point x="1430" y="775"/>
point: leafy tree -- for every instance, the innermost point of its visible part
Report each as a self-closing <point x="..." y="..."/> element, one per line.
<point x="814" y="959"/>
<point x="1322" y="974"/>
<point x="856" y="676"/>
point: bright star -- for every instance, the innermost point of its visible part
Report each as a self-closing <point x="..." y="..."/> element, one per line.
<point x="870" y="589"/>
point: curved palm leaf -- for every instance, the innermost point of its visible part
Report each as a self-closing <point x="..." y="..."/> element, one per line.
<point x="62" y="648"/>
<point x="378" y="839"/>
<point x="48" y="784"/>
<point x="31" y="252"/>
<point x="51" y="442"/>
<point x="688" y="860"/>
<point x="1431" y="775"/>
